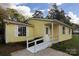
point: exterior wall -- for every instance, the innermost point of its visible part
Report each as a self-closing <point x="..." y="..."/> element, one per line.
<point x="39" y="27"/>
<point x="51" y="32"/>
<point x="11" y="34"/>
<point x="30" y="31"/>
<point x="55" y="32"/>
<point x="65" y="36"/>
<point x="36" y="31"/>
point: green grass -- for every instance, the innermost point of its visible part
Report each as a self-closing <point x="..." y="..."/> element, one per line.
<point x="70" y="46"/>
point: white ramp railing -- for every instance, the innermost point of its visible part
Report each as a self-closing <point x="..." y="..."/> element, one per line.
<point x="37" y="47"/>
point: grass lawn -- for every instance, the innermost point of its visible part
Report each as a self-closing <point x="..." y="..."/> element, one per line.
<point x="7" y="49"/>
<point x="70" y="46"/>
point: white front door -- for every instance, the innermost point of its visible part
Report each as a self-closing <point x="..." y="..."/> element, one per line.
<point x="47" y="33"/>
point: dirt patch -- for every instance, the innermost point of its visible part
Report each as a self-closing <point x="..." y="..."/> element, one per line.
<point x="6" y="49"/>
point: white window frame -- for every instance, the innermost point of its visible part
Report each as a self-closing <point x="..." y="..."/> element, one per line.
<point x="16" y="30"/>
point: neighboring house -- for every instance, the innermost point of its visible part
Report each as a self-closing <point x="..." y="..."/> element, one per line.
<point x="37" y="30"/>
<point x="75" y="28"/>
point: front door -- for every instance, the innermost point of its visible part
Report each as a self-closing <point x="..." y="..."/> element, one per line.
<point x="47" y="33"/>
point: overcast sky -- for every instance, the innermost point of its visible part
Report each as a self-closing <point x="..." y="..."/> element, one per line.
<point x="27" y="9"/>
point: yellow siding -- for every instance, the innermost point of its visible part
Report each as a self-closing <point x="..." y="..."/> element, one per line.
<point x="36" y="31"/>
<point x="65" y="36"/>
<point x="51" y="32"/>
<point x="39" y="27"/>
<point x="30" y="35"/>
<point x="55" y="31"/>
<point x="11" y="35"/>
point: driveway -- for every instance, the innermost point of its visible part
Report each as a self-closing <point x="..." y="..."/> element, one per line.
<point x="45" y="52"/>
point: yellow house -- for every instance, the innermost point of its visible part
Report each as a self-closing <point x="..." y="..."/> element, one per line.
<point x="49" y="30"/>
<point x="36" y="29"/>
<point x="54" y="29"/>
<point x="57" y="31"/>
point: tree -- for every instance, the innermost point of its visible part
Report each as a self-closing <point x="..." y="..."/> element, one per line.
<point x="67" y="21"/>
<point x="38" y="14"/>
<point x="54" y="6"/>
<point x="53" y="13"/>
<point x="14" y="15"/>
<point x="3" y="14"/>
<point x="62" y="16"/>
<point x="20" y="17"/>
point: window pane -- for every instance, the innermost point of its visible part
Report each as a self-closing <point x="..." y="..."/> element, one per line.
<point x="19" y="31"/>
<point x="69" y="30"/>
<point x="24" y="31"/>
<point x="63" y="30"/>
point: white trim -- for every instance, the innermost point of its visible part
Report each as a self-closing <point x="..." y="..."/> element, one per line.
<point x="16" y="31"/>
<point x="44" y="29"/>
<point x="38" y="47"/>
<point x="27" y="34"/>
<point x="59" y="32"/>
<point x="5" y="34"/>
<point x="52" y="33"/>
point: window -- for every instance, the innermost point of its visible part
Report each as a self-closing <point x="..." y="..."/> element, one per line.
<point x="69" y="30"/>
<point x="63" y="30"/>
<point x="21" y="31"/>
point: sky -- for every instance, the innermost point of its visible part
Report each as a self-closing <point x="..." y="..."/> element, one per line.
<point x="27" y="9"/>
